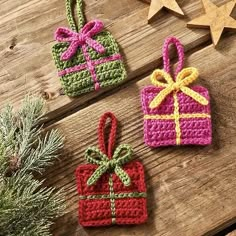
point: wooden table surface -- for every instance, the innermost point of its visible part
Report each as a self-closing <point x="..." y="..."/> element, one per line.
<point x="191" y="190"/>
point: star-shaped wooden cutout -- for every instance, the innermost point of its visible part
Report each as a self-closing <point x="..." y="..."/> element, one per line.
<point x="217" y="18"/>
<point x="157" y="5"/>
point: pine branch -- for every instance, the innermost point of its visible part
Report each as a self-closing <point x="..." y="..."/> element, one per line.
<point x="7" y="132"/>
<point x="27" y="205"/>
<point x="45" y="152"/>
<point x="27" y="208"/>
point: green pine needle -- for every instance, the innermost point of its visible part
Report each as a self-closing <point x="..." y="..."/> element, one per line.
<point x="26" y="207"/>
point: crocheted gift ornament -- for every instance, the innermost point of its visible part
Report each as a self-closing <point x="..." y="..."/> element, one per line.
<point x="86" y="56"/>
<point x="175" y="114"/>
<point x="112" y="188"/>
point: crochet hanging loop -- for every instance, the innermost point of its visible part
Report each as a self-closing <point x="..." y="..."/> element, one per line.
<point x="83" y="37"/>
<point x="70" y="14"/>
<point x="108" y="116"/>
<point x="122" y="155"/>
<point x="166" y="58"/>
<point x="183" y="79"/>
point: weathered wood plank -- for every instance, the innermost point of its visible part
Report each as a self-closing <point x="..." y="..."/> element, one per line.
<point x="190" y="189"/>
<point x="26" y="38"/>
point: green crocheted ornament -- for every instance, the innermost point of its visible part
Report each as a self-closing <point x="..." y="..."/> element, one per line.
<point x="87" y="57"/>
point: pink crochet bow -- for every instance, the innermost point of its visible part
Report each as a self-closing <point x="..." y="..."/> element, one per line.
<point x="79" y="39"/>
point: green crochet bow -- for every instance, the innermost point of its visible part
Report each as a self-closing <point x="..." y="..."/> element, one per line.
<point x="122" y="155"/>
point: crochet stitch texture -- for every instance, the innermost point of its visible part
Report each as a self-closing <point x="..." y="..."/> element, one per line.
<point x="112" y="188"/>
<point x="175" y="114"/>
<point x="86" y="56"/>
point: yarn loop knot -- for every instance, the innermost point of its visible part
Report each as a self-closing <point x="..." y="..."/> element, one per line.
<point x="78" y="39"/>
<point x="183" y="79"/>
<point x="122" y="155"/>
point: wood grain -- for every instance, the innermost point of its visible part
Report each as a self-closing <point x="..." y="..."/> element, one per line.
<point x="190" y="189"/>
<point x="157" y="5"/>
<point x="216" y="19"/>
<point x="26" y="38"/>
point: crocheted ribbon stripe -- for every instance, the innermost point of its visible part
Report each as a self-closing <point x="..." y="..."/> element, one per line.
<point x="82" y="37"/>
<point x="183" y="78"/>
<point x="108" y="162"/>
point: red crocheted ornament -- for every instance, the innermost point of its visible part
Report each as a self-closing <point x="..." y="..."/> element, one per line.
<point x="113" y="191"/>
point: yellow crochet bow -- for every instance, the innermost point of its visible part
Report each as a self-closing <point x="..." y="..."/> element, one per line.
<point x="183" y="79"/>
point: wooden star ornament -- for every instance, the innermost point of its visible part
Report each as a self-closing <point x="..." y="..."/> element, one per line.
<point x="216" y="18"/>
<point x="158" y="5"/>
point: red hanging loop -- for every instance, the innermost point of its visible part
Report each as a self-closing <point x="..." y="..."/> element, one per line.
<point x="112" y="135"/>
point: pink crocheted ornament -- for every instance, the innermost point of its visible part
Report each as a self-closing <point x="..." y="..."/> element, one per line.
<point x="174" y="113"/>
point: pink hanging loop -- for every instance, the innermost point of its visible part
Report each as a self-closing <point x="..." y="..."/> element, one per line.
<point x="166" y="59"/>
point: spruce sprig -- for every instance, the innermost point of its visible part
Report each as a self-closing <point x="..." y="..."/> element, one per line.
<point x="26" y="207"/>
